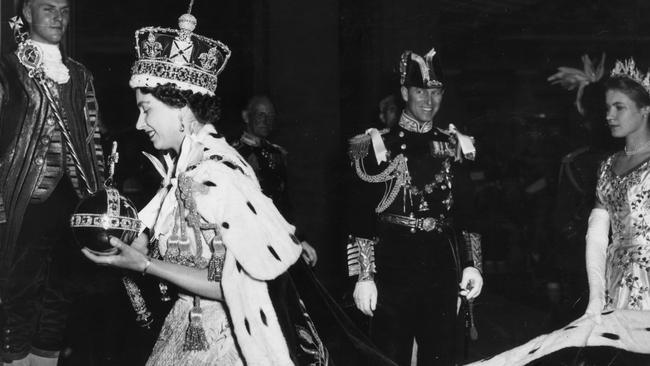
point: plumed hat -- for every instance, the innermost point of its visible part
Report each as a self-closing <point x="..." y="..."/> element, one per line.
<point x="422" y="72"/>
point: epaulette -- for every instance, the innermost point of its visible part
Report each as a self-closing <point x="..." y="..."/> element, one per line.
<point x="463" y="144"/>
<point x="280" y="148"/>
<point x="359" y="146"/>
<point x="247" y="140"/>
<point x="568" y="158"/>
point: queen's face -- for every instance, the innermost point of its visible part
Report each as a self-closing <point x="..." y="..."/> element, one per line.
<point x="624" y="117"/>
<point x="159" y="121"/>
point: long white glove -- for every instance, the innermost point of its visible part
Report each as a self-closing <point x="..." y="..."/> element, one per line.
<point x="595" y="254"/>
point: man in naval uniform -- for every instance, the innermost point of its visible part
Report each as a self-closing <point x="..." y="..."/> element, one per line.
<point x="50" y="156"/>
<point x="412" y="244"/>
<point x="269" y="160"/>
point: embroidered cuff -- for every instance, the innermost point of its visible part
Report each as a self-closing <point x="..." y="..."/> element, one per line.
<point x="361" y="258"/>
<point x="473" y="250"/>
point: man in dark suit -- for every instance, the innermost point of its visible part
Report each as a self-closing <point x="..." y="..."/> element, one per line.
<point x="50" y="156"/>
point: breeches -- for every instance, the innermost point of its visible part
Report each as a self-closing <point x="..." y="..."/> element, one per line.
<point x="34" y="305"/>
<point x="418" y="310"/>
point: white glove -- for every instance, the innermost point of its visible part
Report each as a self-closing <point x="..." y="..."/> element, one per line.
<point x="365" y="296"/>
<point x="471" y="283"/>
<point x="595" y="255"/>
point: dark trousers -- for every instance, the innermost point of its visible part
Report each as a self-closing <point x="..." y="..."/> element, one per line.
<point x="411" y="308"/>
<point x="34" y="304"/>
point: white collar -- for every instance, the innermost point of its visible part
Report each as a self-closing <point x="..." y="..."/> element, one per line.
<point x="53" y="62"/>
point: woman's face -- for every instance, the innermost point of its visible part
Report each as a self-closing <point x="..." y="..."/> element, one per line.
<point x="159" y="121"/>
<point x="624" y="117"/>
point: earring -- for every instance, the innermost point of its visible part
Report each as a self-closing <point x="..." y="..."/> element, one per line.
<point x="180" y="119"/>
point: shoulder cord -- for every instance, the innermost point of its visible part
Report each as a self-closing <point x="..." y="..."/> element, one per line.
<point x="396" y="174"/>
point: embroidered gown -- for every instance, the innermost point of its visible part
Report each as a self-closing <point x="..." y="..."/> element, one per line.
<point x="625" y="320"/>
<point x="627" y="200"/>
<point x="211" y="203"/>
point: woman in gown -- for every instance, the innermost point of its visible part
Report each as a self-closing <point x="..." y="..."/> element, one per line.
<point x="209" y="230"/>
<point x="615" y="329"/>
<point x="213" y="234"/>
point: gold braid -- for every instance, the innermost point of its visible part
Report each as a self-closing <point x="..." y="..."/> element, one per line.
<point x="396" y="171"/>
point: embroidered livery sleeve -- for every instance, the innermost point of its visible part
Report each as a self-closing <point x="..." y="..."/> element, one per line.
<point x="465" y="217"/>
<point x="3" y="214"/>
<point x="261" y="240"/>
<point x="93" y="123"/>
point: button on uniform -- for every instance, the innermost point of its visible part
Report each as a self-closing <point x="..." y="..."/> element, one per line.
<point x="403" y="147"/>
<point x="45" y="140"/>
<point x="50" y="120"/>
<point x="39" y="161"/>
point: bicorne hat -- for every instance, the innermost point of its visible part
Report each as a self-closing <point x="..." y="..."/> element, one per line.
<point x="422" y="72"/>
<point x="178" y="56"/>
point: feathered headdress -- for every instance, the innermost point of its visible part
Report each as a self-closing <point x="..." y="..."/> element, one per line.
<point x="571" y="78"/>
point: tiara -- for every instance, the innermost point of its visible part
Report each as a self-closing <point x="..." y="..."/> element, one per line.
<point x="627" y="68"/>
<point x="178" y="56"/>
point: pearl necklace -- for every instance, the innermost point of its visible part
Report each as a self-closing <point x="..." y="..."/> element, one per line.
<point x="639" y="149"/>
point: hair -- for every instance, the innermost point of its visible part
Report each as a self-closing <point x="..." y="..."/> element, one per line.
<point x="635" y="91"/>
<point x="24" y="3"/>
<point x="206" y="108"/>
<point x="255" y="99"/>
<point x="388" y="100"/>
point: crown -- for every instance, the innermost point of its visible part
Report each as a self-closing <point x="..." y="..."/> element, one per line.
<point x="422" y="72"/>
<point x="178" y="56"/>
<point x="627" y="68"/>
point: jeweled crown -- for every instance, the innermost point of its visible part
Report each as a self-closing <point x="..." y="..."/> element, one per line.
<point x="178" y="56"/>
<point x="627" y="68"/>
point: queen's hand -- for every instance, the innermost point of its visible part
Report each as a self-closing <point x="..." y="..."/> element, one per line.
<point x="131" y="257"/>
<point x="141" y="244"/>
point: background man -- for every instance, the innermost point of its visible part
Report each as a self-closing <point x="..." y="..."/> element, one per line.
<point x="389" y="108"/>
<point x="406" y="224"/>
<point x="268" y="160"/>
<point x="40" y="182"/>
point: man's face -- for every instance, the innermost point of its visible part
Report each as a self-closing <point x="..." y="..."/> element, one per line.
<point x="389" y="114"/>
<point x="47" y="19"/>
<point x="260" y="118"/>
<point x="422" y="104"/>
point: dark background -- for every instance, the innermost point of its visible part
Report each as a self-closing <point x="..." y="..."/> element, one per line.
<point x="326" y="64"/>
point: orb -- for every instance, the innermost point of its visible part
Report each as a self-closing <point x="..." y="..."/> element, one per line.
<point x="104" y="214"/>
